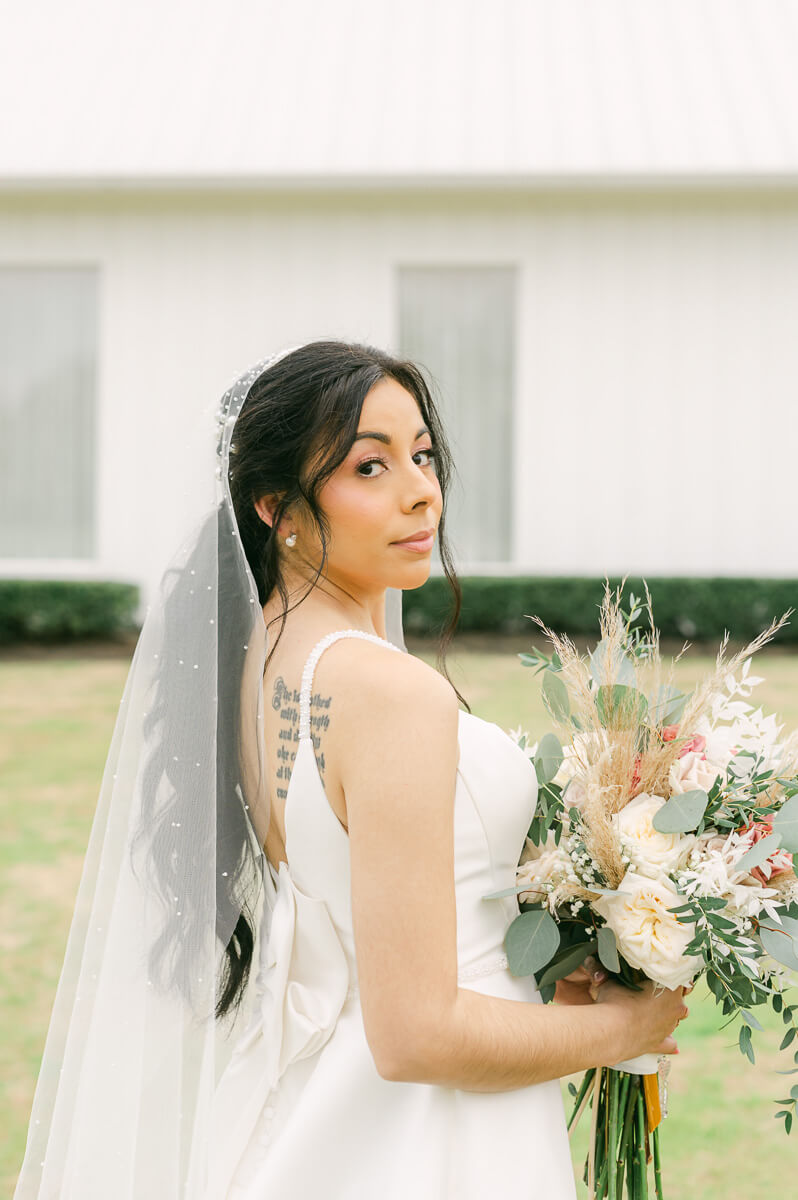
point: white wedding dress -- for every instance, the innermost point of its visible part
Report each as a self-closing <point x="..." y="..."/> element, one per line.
<point x="301" y="1111"/>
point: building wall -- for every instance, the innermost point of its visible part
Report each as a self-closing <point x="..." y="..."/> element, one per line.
<point x="657" y="362"/>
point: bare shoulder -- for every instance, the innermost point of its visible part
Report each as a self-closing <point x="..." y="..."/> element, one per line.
<point x="384" y="699"/>
<point x="375" y="685"/>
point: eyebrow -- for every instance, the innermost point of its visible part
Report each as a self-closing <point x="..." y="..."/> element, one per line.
<point x="383" y="437"/>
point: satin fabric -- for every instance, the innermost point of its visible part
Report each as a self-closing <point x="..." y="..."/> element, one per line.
<point x="301" y="1110"/>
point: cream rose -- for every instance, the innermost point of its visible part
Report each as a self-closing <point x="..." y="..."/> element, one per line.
<point x="539" y="866"/>
<point x="648" y="934"/>
<point x="652" y="853"/>
<point x="692" y="770"/>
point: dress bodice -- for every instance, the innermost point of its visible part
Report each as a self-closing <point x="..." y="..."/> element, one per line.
<point x="302" y="1084"/>
<point x="494" y="802"/>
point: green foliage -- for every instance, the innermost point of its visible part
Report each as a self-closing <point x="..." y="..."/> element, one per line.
<point x="780" y="940"/>
<point x="620" y="706"/>
<point x="785" y="824"/>
<point x="60" y="609"/>
<point x="565" y="961"/>
<point x="682" y="812"/>
<point x="531" y="941"/>
<point x="608" y="949"/>
<point x="548" y="758"/>
<point x="700" y="609"/>
<point x="555" y="696"/>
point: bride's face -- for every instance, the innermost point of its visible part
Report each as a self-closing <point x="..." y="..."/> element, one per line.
<point x="385" y="489"/>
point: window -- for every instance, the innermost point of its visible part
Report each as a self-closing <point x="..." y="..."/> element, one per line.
<point x="458" y="324"/>
<point x="48" y="367"/>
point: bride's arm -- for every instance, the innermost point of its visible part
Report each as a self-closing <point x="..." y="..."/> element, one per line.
<point x="397" y="753"/>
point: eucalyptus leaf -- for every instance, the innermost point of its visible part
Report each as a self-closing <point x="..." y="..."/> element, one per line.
<point x="555" y="694"/>
<point x="565" y="963"/>
<point x="531" y="942"/>
<point x="619" y="669"/>
<point x="785" y="823"/>
<point x="548" y="759"/>
<point x="758" y="853"/>
<point x="511" y="891"/>
<point x="779" y="943"/>
<point x="620" y="706"/>
<point x="788" y="922"/>
<point x="681" y="813"/>
<point x="669" y="704"/>
<point x="547" y="993"/>
<point x="608" y="949"/>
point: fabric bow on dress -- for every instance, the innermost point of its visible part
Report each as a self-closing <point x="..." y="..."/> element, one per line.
<point x="300" y="990"/>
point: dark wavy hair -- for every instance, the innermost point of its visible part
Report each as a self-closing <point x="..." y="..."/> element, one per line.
<point x="305" y="407"/>
<point x="295" y="428"/>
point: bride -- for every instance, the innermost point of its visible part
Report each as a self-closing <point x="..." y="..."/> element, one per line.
<point x="282" y="977"/>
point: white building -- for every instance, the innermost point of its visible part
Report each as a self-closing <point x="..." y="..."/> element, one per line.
<point x="582" y="218"/>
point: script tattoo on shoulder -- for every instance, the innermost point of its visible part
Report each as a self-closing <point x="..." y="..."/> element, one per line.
<point x="285" y="700"/>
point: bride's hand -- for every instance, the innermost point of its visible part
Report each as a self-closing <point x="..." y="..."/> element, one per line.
<point x="579" y="987"/>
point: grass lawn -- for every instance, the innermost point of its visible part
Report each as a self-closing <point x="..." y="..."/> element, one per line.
<point x="58" y="713"/>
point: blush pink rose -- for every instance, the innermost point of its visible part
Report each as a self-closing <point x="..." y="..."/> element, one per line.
<point x="697" y="743"/>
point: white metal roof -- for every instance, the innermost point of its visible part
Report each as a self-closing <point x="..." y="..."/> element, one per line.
<point x="388" y="91"/>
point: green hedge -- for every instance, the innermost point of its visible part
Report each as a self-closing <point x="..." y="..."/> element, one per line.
<point x="60" y="609"/>
<point x="694" y="608"/>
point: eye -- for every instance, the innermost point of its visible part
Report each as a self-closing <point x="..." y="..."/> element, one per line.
<point x="367" y="463"/>
<point x="429" y="450"/>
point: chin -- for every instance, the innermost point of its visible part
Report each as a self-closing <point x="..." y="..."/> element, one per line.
<point x="415" y="575"/>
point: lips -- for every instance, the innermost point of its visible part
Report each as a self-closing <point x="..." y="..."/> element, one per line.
<point x="419" y="536"/>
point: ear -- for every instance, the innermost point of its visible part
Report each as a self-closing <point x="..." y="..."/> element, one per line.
<point x="265" y="508"/>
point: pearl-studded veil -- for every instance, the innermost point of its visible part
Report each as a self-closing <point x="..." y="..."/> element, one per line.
<point x="123" y="1104"/>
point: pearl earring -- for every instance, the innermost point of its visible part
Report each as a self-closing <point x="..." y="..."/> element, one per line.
<point x="291" y="539"/>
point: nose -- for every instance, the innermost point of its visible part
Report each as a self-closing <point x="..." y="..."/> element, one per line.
<point x="425" y="488"/>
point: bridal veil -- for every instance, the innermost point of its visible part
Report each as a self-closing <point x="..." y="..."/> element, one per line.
<point x="134" y="1048"/>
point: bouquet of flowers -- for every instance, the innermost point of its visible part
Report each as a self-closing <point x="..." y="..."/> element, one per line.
<point x="663" y="844"/>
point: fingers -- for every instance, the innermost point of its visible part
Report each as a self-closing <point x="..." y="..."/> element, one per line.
<point x="595" y="969"/>
<point x="669" y="1046"/>
<point x="591" y="969"/>
<point x="580" y="975"/>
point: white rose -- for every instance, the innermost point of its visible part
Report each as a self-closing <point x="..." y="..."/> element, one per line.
<point x="692" y="770"/>
<point x="583" y="751"/>
<point x="541" y="865"/>
<point x="648" y="934"/>
<point x="652" y="853"/>
<point x="574" y="795"/>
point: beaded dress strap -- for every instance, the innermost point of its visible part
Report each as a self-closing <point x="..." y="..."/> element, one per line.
<point x="310" y="666"/>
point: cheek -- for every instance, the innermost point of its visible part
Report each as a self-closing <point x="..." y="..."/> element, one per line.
<point x="351" y="505"/>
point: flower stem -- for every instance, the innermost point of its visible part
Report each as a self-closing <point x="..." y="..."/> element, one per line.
<point x="581" y="1097"/>
<point x="625" y="1081"/>
<point x="625" y="1149"/>
<point x="612" y="1151"/>
<point x="657" y="1164"/>
<point x="641" y="1145"/>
